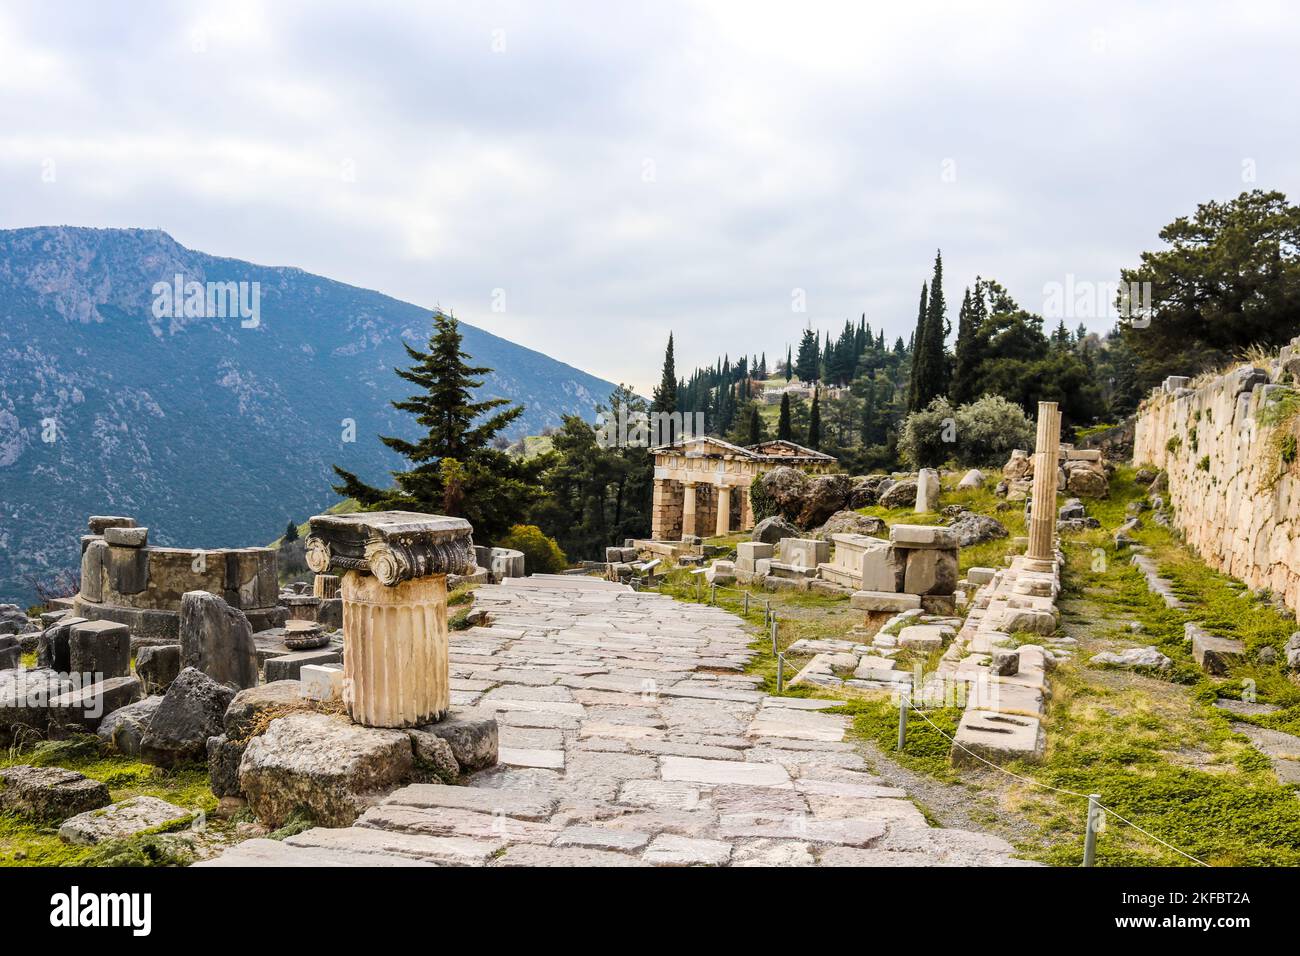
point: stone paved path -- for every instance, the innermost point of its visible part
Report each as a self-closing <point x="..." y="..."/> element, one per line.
<point x="631" y="736"/>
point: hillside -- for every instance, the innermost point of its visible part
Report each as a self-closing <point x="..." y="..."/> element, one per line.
<point x="210" y="433"/>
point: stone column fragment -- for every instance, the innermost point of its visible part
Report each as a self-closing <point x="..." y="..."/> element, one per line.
<point x="1042" y="515"/>
<point x="394" y="569"/>
<point x="688" y="509"/>
<point x="724" y="510"/>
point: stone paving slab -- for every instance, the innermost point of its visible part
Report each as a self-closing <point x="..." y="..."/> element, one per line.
<point x="630" y="736"/>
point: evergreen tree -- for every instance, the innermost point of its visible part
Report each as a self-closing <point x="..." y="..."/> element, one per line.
<point x="784" y="430"/>
<point x="290" y="533"/>
<point x="918" y="364"/>
<point x="665" y="396"/>
<point x="967" y="355"/>
<point x="809" y="360"/>
<point x="755" y="425"/>
<point x="789" y="366"/>
<point x="815" y="424"/>
<point x="455" y="470"/>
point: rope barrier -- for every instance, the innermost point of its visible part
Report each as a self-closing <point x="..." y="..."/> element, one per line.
<point x="1047" y="786"/>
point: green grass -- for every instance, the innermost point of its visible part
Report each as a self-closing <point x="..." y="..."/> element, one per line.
<point x="28" y="842"/>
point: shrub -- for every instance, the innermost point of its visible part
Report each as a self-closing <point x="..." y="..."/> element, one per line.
<point x="541" y="554"/>
<point x="760" y="502"/>
<point x="1174" y="443"/>
<point x="983" y="432"/>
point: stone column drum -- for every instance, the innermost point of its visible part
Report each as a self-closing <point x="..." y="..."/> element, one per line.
<point x="1042" y="514"/>
<point x="724" y="510"/>
<point x="394" y="567"/>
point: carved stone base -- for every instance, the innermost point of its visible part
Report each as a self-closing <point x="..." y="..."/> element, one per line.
<point x="395" y="668"/>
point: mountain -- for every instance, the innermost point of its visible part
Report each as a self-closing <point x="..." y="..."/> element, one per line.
<point x="212" y="431"/>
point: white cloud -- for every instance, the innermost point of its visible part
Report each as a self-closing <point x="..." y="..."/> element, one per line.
<point x="623" y="171"/>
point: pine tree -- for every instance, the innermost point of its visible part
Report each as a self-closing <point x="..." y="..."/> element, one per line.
<point x="815" y="424"/>
<point x="455" y="470"/>
<point x="809" y="360"/>
<point x="784" y="430"/>
<point x="290" y="533"/>
<point x="665" y="396"/>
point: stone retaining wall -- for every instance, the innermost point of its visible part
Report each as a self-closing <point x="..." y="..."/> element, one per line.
<point x="1234" y="498"/>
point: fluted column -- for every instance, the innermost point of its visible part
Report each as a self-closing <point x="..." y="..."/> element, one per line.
<point x="1042" y="513"/>
<point x="395" y="665"/>
<point x="746" y="510"/>
<point x="394" y="568"/>
<point x="724" y="510"/>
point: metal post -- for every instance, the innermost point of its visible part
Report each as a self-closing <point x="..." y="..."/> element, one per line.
<point x="780" y="672"/>
<point x="774" y="634"/>
<point x="713" y="594"/>
<point x="1090" y="837"/>
<point x="902" y="721"/>
<point x="746" y="611"/>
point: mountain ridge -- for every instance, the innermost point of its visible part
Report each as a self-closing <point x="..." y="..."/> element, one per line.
<point x="211" y="433"/>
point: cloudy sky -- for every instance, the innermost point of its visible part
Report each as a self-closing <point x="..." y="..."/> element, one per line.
<point x="583" y="178"/>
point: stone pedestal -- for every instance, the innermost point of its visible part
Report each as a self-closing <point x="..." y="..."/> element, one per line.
<point x="1042" y="516"/>
<point x="394" y="568"/>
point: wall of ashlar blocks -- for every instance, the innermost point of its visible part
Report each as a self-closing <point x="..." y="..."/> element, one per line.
<point x="1235" y="499"/>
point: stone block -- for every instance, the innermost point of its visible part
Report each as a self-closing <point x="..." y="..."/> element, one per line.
<point x="980" y="575"/>
<point x="998" y="738"/>
<point x="245" y="710"/>
<point x="124" y="729"/>
<point x="919" y="536"/>
<point x="122" y="820"/>
<point x="930" y="571"/>
<point x="127" y="570"/>
<point x="98" y="524"/>
<point x="326" y="765"/>
<point x="50" y="794"/>
<point x="884" y="601"/>
<point x="217" y="639"/>
<point x="192" y="710"/>
<point x="157" y="666"/>
<point x="119" y="536"/>
<point x="323" y="682"/>
<point x="805" y="552"/>
<point x="925" y="637"/>
<point x="224" y="756"/>
<point x="1005" y="663"/>
<point x="927" y="490"/>
<point x="473" y="738"/>
<point x="85" y="707"/>
<point x="1215" y="654"/>
<point x="102" y="648"/>
<point x="25" y="697"/>
<point x="94" y="559"/>
<point x="289" y="666"/>
<point x="753" y="551"/>
<point x="944" y="605"/>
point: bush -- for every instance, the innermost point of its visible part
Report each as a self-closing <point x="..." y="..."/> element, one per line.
<point x="982" y="433"/>
<point x="541" y="554"/>
<point x="760" y="502"/>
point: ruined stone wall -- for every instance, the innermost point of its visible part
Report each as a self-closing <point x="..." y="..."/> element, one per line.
<point x="1234" y="496"/>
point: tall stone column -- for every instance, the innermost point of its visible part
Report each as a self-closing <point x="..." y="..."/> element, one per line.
<point x="657" y="510"/>
<point x="688" y="508"/>
<point x="1042" y="514"/>
<point x="746" y="510"/>
<point x="394" y="567"/>
<point x="724" y="510"/>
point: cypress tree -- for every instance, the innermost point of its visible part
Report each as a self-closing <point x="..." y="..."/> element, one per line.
<point x="290" y="533"/>
<point x="815" y="424"/>
<point x="455" y="470"/>
<point x="784" y="430"/>
<point x="755" y="425"/>
<point x="789" y="366"/>
<point x="665" y="396"/>
<point x="810" y="356"/>
<point x="918" y="352"/>
<point x="965" y="358"/>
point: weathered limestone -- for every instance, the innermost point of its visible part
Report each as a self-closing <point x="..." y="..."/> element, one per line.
<point x="122" y="820"/>
<point x="99" y="648"/>
<point x="126" y="581"/>
<point x="218" y="640"/>
<point x="1042" y="516"/>
<point x="192" y="710"/>
<point x="927" y="490"/>
<point x="395" y="609"/>
<point x="862" y="563"/>
<point x="157" y="665"/>
<point x="49" y="793"/>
